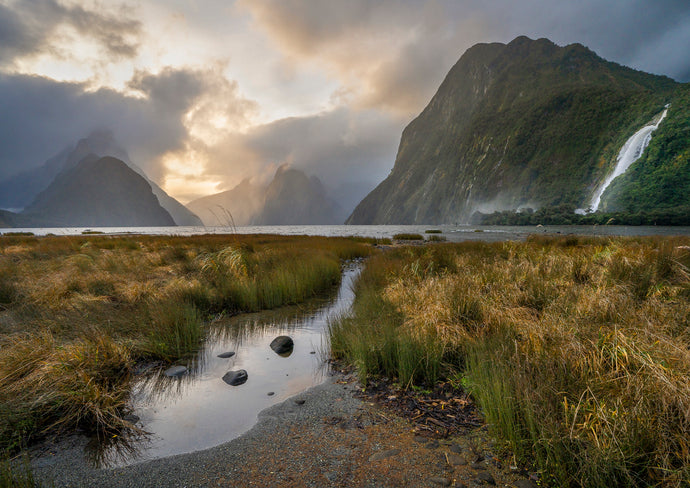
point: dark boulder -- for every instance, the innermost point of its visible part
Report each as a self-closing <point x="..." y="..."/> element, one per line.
<point x="283" y="345"/>
<point x="235" y="378"/>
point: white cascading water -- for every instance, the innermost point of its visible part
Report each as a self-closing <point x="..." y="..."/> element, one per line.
<point x="630" y="152"/>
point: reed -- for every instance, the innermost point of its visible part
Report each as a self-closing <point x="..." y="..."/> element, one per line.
<point x="575" y="348"/>
<point x="77" y="312"/>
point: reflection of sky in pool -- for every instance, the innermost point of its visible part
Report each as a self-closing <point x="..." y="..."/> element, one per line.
<point x="199" y="410"/>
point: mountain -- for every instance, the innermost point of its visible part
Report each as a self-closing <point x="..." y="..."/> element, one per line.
<point x="98" y="192"/>
<point x="292" y="198"/>
<point x="524" y="124"/>
<point x="18" y="191"/>
<point x="238" y="206"/>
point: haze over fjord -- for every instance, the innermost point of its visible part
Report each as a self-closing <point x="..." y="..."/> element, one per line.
<point x="203" y="96"/>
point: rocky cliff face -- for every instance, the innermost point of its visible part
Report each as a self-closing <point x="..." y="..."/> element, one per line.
<point x="527" y="124"/>
<point x="98" y="192"/>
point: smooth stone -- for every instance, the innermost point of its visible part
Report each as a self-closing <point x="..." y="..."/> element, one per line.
<point x="299" y="402"/>
<point x="420" y="439"/>
<point x="228" y="354"/>
<point x="235" y="378"/>
<point x="486" y="478"/>
<point x="282" y="345"/>
<point x="432" y="444"/>
<point x="478" y="466"/>
<point x="271" y="393"/>
<point x="455" y="460"/>
<point x="384" y="454"/>
<point x="440" y="481"/>
<point x="175" y="371"/>
<point x="525" y="484"/>
<point x="313" y="352"/>
<point x="456" y="448"/>
<point x="131" y="418"/>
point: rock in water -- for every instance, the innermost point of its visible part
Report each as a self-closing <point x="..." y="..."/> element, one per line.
<point x="283" y="345"/>
<point x="175" y="371"/>
<point x="235" y="378"/>
<point x="228" y="354"/>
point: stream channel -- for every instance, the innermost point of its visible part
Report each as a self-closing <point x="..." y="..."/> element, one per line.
<point x="198" y="410"/>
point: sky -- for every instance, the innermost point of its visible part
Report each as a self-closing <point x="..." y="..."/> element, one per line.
<point x="206" y="93"/>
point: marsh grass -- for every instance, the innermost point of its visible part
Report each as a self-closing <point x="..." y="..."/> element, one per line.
<point x="576" y="349"/>
<point x="77" y="312"/>
<point x="408" y="237"/>
<point x="17" y="474"/>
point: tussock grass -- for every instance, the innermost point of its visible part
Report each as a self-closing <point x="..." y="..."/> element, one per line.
<point x="575" y="348"/>
<point x="76" y="313"/>
<point x="408" y="237"/>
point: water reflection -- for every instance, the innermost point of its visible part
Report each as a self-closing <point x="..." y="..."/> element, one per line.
<point x="199" y="410"/>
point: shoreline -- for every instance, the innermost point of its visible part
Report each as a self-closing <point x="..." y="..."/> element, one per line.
<point x="328" y="436"/>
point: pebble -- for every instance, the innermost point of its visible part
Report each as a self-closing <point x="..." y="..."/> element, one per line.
<point x="455" y="460"/>
<point x="432" y="444"/>
<point x="228" y="354"/>
<point x="456" y="448"/>
<point x="486" y="478"/>
<point x="175" y="371"/>
<point x="420" y="439"/>
<point x="384" y="454"/>
<point x="525" y="484"/>
<point x="271" y="393"/>
<point x="440" y="481"/>
<point x="299" y="402"/>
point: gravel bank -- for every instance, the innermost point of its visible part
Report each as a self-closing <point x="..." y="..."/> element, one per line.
<point x="324" y="437"/>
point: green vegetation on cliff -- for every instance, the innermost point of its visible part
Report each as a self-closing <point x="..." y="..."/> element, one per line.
<point x="660" y="179"/>
<point x="523" y="124"/>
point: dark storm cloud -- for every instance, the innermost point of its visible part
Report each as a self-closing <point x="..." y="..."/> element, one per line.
<point x="42" y="116"/>
<point x="29" y="27"/>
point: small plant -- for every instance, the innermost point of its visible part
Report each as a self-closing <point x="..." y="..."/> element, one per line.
<point x="436" y="238"/>
<point x="408" y="237"/>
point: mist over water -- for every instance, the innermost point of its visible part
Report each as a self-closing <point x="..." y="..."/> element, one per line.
<point x="629" y="153"/>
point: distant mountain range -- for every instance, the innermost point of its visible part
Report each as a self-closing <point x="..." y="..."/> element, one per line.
<point x="291" y="198"/>
<point x="532" y="124"/>
<point x="19" y="191"/>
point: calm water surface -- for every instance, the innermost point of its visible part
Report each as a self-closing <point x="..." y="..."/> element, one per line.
<point x="199" y="410"/>
<point x="453" y="233"/>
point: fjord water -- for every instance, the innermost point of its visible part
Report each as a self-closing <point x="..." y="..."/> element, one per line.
<point x="199" y="410"/>
<point x="629" y="153"/>
<point x="452" y="232"/>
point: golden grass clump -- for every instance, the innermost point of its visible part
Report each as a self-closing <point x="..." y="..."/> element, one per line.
<point x="77" y="312"/>
<point x="575" y="348"/>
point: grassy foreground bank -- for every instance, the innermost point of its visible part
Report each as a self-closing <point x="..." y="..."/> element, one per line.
<point x="77" y="313"/>
<point x="576" y="349"/>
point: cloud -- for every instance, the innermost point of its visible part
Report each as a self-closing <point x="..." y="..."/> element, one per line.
<point x="34" y="27"/>
<point x="392" y="55"/>
<point x="44" y="116"/>
<point x="349" y="150"/>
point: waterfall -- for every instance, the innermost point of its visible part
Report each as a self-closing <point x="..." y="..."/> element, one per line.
<point x="629" y="153"/>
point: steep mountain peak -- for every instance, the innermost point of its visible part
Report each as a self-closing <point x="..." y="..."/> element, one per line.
<point x="99" y="191"/>
<point x="523" y="123"/>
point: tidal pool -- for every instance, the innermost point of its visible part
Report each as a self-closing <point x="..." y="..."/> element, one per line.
<point x="199" y="410"/>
